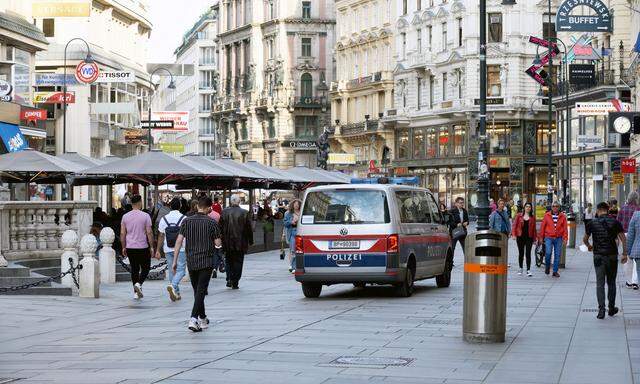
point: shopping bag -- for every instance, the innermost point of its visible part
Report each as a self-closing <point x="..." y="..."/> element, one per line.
<point x="630" y="271"/>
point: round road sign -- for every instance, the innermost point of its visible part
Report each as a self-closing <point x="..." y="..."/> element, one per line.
<point x="87" y="72"/>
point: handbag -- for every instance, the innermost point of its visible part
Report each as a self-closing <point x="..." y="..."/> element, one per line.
<point x="540" y="252"/>
<point x="458" y="233"/>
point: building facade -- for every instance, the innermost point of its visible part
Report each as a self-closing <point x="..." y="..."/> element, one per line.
<point x="275" y="68"/>
<point x="436" y="98"/>
<point x="363" y="90"/>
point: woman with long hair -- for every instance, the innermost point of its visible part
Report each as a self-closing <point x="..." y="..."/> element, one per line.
<point x="524" y="230"/>
<point x="291" y="218"/>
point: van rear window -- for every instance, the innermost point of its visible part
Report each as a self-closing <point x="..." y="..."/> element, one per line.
<point x="351" y="206"/>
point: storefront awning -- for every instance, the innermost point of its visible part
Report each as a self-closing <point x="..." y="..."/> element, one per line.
<point x="34" y="132"/>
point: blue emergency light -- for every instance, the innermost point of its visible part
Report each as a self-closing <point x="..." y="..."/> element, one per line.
<point x="386" y="180"/>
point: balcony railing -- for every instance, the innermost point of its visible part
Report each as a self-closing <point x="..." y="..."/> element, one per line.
<point x="360" y="81"/>
<point x="602" y="78"/>
<point x="359" y="128"/>
<point x="310" y="102"/>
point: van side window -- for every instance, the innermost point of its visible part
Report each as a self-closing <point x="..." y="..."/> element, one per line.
<point x="424" y="213"/>
<point x="407" y="207"/>
<point x="433" y="207"/>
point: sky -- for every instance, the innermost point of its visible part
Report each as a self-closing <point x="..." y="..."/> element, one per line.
<point x="170" y="22"/>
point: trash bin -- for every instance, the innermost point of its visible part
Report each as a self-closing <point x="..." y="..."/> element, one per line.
<point x="571" y="227"/>
<point x="563" y="255"/>
<point x="485" y="287"/>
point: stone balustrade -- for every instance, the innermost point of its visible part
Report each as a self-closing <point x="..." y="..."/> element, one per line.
<point x="33" y="229"/>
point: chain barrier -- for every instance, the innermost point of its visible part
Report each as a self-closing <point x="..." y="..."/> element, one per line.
<point x="72" y="270"/>
<point x="158" y="275"/>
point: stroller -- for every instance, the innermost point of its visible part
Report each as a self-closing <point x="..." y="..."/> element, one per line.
<point x="540" y="253"/>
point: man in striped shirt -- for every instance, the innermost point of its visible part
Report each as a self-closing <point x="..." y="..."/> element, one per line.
<point x="202" y="236"/>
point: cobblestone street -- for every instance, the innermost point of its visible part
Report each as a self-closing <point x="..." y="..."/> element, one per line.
<point x="268" y="332"/>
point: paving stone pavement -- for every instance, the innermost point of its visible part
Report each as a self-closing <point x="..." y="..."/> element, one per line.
<point x="267" y="332"/>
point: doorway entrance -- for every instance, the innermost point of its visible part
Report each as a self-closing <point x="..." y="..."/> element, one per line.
<point x="499" y="184"/>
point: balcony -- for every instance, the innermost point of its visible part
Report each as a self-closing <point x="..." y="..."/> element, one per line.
<point x="362" y="81"/>
<point x="359" y="128"/>
<point x="602" y="78"/>
<point x="310" y="102"/>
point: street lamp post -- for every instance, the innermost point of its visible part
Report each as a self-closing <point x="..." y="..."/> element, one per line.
<point x="170" y="86"/>
<point x="482" y="208"/>
<point x="550" y="115"/>
<point x="88" y="59"/>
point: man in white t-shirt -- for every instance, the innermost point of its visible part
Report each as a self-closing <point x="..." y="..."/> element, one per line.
<point x="168" y="228"/>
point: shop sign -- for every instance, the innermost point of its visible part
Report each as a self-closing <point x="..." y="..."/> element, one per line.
<point x="582" y="74"/>
<point x="87" y="72"/>
<point x="615" y="164"/>
<point x="135" y="136"/>
<point x="490" y="101"/>
<point x="401" y="171"/>
<point x="303" y="144"/>
<point x="180" y="120"/>
<point x="54" y="79"/>
<point x="54" y="8"/>
<point x="33" y="115"/>
<point x="341" y="158"/>
<point x="601" y="108"/>
<point x="590" y="141"/>
<point x="7" y="98"/>
<point x="12" y="138"/>
<point x="628" y="165"/>
<point x="617" y="178"/>
<point x="5" y="88"/>
<point x="54" y="97"/>
<point x="499" y="162"/>
<point x="172" y="147"/>
<point x="598" y="21"/>
<point x="116" y="77"/>
<point x="446" y="104"/>
<point x="156" y="124"/>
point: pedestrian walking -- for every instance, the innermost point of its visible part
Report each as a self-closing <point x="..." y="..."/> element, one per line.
<point x="291" y="218"/>
<point x="624" y="217"/>
<point x="137" y="243"/>
<point x="588" y="214"/>
<point x="499" y="219"/>
<point x="553" y="231"/>
<point x="202" y="235"/>
<point x="613" y="208"/>
<point x="524" y="230"/>
<point x="235" y="225"/>
<point x="492" y="205"/>
<point x="605" y="230"/>
<point x="458" y="224"/>
<point x="168" y="230"/>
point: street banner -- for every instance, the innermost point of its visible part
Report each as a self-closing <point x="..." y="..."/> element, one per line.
<point x="54" y="97"/>
<point x="97" y="108"/>
<point x="601" y="108"/>
<point x="87" y="72"/>
<point x="116" y="77"/>
<point x="32" y="115"/>
<point x="172" y="147"/>
<point x="617" y="178"/>
<point x="628" y="165"/>
<point x="57" y="8"/>
<point x="590" y="141"/>
<point x="12" y="138"/>
<point x="582" y="74"/>
<point x="157" y="124"/>
<point x="341" y="158"/>
<point x="598" y="20"/>
<point x="54" y="79"/>
<point x="180" y="119"/>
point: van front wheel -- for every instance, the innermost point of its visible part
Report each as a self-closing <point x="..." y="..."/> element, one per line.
<point x="311" y="290"/>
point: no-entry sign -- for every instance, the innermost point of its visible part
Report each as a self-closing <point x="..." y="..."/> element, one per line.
<point x="87" y="72"/>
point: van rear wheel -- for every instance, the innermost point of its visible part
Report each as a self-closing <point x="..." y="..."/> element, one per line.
<point x="311" y="290"/>
<point x="444" y="280"/>
<point x="405" y="289"/>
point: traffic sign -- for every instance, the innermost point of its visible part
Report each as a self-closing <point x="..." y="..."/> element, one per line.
<point x="156" y="124"/>
<point x="87" y="72"/>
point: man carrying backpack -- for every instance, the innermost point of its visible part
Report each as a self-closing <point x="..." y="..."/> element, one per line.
<point x="169" y="228"/>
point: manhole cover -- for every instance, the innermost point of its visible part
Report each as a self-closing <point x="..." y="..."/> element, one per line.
<point x="369" y="360"/>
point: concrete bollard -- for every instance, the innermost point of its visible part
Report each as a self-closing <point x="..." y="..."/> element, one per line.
<point x="90" y="272"/>
<point x="107" y="256"/>
<point x="69" y="243"/>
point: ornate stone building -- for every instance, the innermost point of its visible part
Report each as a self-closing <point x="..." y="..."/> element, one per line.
<point x="275" y="69"/>
<point x="437" y="93"/>
<point x="363" y="90"/>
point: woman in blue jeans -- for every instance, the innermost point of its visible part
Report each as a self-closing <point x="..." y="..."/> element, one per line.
<point x="291" y="218"/>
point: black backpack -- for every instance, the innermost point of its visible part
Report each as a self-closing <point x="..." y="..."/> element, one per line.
<point x="172" y="231"/>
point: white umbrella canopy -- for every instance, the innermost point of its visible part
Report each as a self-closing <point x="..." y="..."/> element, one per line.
<point x="318" y="176"/>
<point x="30" y="165"/>
<point x="84" y="161"/>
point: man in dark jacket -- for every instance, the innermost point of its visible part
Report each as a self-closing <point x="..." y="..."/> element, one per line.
<point x="605" y="230"/>
<point x="237" y="235"/>
<point x="459" y="218"/>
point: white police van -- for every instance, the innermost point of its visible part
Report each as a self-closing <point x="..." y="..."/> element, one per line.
<point x="381" y="232"/>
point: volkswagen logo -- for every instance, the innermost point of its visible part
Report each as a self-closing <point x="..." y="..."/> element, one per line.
<point x="344" y="231"/>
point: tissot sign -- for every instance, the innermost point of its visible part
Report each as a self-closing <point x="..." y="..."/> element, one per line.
<point x="598" y="21"/>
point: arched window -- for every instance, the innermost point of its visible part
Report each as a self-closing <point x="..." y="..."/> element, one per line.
<point x="306" y="85"/>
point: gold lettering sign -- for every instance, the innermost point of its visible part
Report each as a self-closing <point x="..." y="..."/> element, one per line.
<point x="61" y="9"/>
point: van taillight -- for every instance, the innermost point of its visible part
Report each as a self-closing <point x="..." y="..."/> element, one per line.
<point x="299" y="244"/>
<point x="392" y="243"/>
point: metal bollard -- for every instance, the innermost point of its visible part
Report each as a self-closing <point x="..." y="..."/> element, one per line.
<point x="485" y="287"/>
<point x="107" y="256"/>
<point x="90" y="272"/>
<point x="571" y="227"/>
<point x="69" y="242"/>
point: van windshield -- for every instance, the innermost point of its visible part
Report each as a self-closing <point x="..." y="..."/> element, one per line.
<point x="346" y="206"/>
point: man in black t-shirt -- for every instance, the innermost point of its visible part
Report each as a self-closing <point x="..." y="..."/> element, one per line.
<point x="605" y="230"/>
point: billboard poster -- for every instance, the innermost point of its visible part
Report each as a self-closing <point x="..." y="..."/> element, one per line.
<point x="180" y="119"/>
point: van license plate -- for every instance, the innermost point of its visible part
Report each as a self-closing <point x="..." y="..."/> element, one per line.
<point x="344" y="244"/>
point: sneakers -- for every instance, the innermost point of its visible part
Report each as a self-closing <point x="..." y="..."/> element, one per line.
<point x="290" y="270"/>
<point x="520" y="271"/>
<point x="203" y="323"/>
<point x="228" y="284"/>
<point x="626" y="283"/>
<point x="556" y="274"/>
<point x="600" y="314"/>
<point x="173" y="295"/>
<point x="635" y="286"/>
<point x="194" y="325"/>
<point x="138" y="289"/>
<point x="135" y="296"/>
<point x="613" y="311"/>
<point x="529" y="274"/>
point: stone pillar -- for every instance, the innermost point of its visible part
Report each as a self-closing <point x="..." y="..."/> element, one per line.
<point x="3" y="261"/>
<point x="90" y="272"/>
<point x="107" y="256"/>
<point x="69" y="242"/>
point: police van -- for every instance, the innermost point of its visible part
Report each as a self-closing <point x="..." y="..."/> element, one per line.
<point x="379" y="232"/>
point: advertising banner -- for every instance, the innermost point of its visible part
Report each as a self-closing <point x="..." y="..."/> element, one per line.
<point x="598" y="20"/>
<point x="172" y="147"/>
<point x="56" y="8"/>
<point x="628" y="165"/>
<point x="601" y="108"/>
<point x="180" y="119"/>
<point x="583" y="74"/>
<point x="590" y="141"/>
<point x="341" y="158"/>
<point x="12" y="138"/>
<point x="54" y="97"/>
<point x="54" y="79"/>
<point x="135" y="136"/>
<point x="116" y="77"/>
